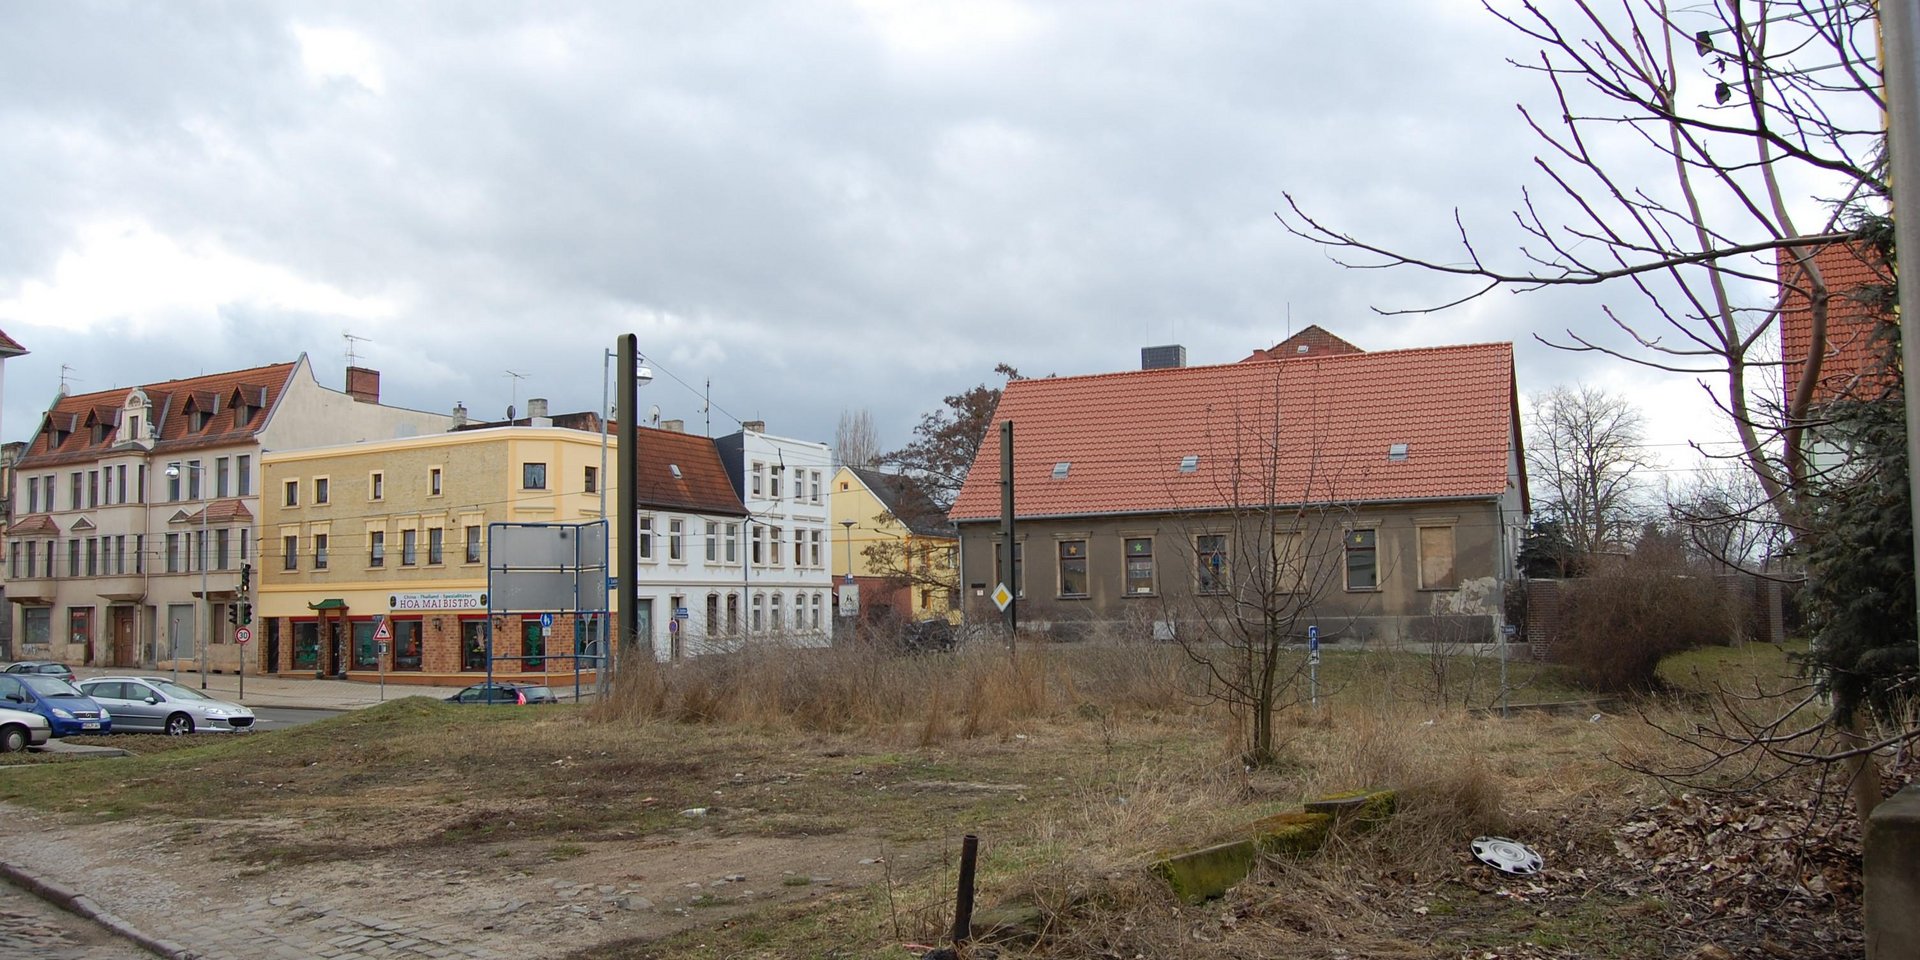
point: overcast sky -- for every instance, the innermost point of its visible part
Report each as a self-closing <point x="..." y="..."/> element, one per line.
<point x="817" y="206"/>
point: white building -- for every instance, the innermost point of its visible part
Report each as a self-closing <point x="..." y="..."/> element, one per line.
<point x="783" y="483"/>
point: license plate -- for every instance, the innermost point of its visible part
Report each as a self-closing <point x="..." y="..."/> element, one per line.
<point x="95" y="725"/>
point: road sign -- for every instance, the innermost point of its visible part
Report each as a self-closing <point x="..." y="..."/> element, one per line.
<point x="546" y="621"/>
<point x="1313" y="644"/>
<point x="381" y="648"/>
<point x="242" y="635"/>
<point x="383" y="630"/>
<point x="681" y="613"/>
<point x="673" y="625"/>
<point x="1002" y="596"/>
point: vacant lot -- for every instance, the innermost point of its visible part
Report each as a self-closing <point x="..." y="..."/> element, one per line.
<point x="775" y="808"/>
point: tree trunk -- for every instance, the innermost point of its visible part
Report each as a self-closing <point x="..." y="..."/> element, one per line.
<point x="1863" y="770"/>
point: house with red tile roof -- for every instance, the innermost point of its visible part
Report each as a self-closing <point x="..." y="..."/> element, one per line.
<point x="134" y="508"/>
<point x="1859" y="282"/>
<point x="1387" y="489"/>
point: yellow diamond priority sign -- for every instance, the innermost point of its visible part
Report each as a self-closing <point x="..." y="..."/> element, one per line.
<point x="1002" y="596"/>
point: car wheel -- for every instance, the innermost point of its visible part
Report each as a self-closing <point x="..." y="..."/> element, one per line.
<point x="13" y="739"/>
<point x="179" y="724"/>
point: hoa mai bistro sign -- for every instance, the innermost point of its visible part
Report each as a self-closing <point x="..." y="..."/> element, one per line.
<point x="447" y="600"/>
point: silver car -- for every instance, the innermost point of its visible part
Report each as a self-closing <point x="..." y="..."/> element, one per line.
<point x="160" y="705"/>
<point x="20" y="729"/>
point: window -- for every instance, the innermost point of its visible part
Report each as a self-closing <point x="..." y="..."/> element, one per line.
<point x="774" y="536"/>
<point x="306" y="646"/>
<point x="533" y="645"/>
<point x="222" y="480"/>
<point x="120" y="474"/>
<point x="733" y="613"/>
<point x="675" y="551"/>
<point x="799" y="548"/>
<point x="1363" y="572"/>
<point x="1210" y="555"/>
<point x="759" y="606"/>
<point x="293" y="491"/>
<point x="376" y="548"/>
<point x="759" y="545"/>
<point x="473" y="544"/>
<point x="139" y="553"/>
<point x="533" y="476"/>
<point x="758" y="483"/>
<point x="33" y="494"/>
<point x="173" y="553"/>
<point x="406" y="644"/>
<point x="319" y="490"/>
<point x="593" y="479"/>
<point x="435" y="555"/>
<point x="289" y="551"/>
<point x="173" y="489"/>
<point x="193" y="471"/>
<point x="93" y="488"/>
<point x="242" y="476"/>
<point x="817" y="604"/>
<point x="1139" y="571"/>
<point x="813" y="548"/>
<point x="366" y="654"/>
<point x="220" y="559"/>
<point x="713" y="614"/>
<point x="646" y="538"/>
<point x="37" y="624"/>
<point x="1289" y="562"/>
<point x="813" y="486"/>
<point x="377" y="486"/>
<point x="1073" y="568"/>
<point x="473" y="642"/>
<point x="1019" y="584"/>
<point x="776" y="618"/>
<point x="120" y="554"/>
<point x="713" y="552"/>
<point x="433" y="482"/>
<point x="93" y="556"/>
<point x="1436" y="559"/>
<point x="409" y="541"/>
<point x="773" y="482"/>
<point x="733" y="543"/>
<point x="319" y="551"/>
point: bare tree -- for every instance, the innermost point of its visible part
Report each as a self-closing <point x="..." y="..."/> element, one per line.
<point x="1760" y="111"/>
<point x="1794" y="113"/>
<point x="1728" y="518"/>
<point x="855" y="441"/>
<point x="1585" y="460"/>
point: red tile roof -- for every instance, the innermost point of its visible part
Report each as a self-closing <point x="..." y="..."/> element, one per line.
<point x="38" y="525"/>
<point x="174" y="403"/>
<point x="1312" y="341"/>
<point x="1851" y="367"/>
<point x="702" y="487"/>
<point x="1123" y="435"/>
<point x="9" y="347"/>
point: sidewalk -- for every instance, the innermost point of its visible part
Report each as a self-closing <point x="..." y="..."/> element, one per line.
<point x="282" y="692"/>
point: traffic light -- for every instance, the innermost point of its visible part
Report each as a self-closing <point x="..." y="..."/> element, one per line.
<point x="233" y="614"/>
<point x="246" y="576"/>
<point x="246" y="614"/>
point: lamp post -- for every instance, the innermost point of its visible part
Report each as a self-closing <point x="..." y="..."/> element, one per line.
<point x="642" y="376"/>
<point x="206" y="607"/>
<point x="849" y="525"/>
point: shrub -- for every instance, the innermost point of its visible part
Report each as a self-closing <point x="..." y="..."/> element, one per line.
<point x="1618" y="622"/>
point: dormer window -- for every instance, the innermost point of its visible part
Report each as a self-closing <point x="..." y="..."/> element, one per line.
<point x="200" y="419"/>
<point x="133" y="428"/>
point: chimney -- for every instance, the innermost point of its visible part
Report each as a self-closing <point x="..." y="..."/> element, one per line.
<point x="536" y="407"/>
<point x="363" y="384"/>
<point x="459" y="414"/>
<point x="1163" y="358"/>
<point x="753" y="426"/>
<point x="676" y="426"/>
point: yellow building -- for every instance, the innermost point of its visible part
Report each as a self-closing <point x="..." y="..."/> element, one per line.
<point x="398" y="528"/>
<point x="898" y="544"/>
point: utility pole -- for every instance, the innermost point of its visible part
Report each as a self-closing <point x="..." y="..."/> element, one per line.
<point x="1006" y="530"/>
<point x="627" y="523"/>
<point x="1900" y="62"/>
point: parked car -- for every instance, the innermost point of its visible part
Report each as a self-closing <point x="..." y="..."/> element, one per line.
<point x="159" y="705"/>
<point x="44" y="667"/>
<point x="65" y="708"/>
<point x="20" y="729"/>
<point x="517" y="693"/>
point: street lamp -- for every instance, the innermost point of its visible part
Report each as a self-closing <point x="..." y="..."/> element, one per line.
<point x="173" y="470"/>
<point x="849" y="525"/>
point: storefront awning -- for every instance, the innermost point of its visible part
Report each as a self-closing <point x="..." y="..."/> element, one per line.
<point x="331" y="603"/>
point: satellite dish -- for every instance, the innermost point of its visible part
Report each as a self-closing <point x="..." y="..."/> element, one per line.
<point x="509" y="412"/>
<point x="653" y="412"/>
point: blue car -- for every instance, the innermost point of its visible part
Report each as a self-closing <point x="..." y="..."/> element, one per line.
<point x="69" y="711"/>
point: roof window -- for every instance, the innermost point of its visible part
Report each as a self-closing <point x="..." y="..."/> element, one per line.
<point x="1397" y="451"/>
<point x="676" y="470"/>
<point x="1190" y="463"/>
<point x="1060" y="469"/>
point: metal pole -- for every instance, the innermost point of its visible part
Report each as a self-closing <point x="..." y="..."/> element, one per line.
<point x="601" y="676"/>
<point x="963" y="896"/>
<point x="1006" y="529"/>
<point x="627" y="524"/>
<point x="1900" y="60"/>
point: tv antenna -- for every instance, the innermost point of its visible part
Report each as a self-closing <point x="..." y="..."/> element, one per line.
<point x="353" y="358"/>
<point x="513" y="395"/>
<point x="66" y="376"/>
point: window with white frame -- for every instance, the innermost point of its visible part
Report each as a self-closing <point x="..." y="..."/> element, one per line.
<point x="646" y="538"/>
<point x="713" y="542"/>
<point x="733" y="543"/>
<point x="759" y="484"/>
<point x="676" y="537"/>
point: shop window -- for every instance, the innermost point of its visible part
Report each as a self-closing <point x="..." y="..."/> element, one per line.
<point x="406" y="645"/>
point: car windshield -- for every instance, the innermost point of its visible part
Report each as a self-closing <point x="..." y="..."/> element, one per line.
<point x="50" y="686"/>
<point x="177" y="691"/>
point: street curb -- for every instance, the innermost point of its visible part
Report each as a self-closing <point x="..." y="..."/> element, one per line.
<point x="81" y="905"/>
